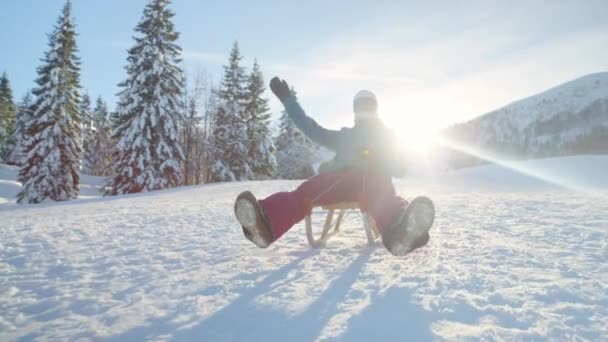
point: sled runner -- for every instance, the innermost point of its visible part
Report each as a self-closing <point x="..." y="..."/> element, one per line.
<point x="360" y="207"/>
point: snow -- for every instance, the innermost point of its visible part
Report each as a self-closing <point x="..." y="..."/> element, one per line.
<point x="585" y="173"/>
<point x="320" y="155"/>
<point x="571" y="97"/>
<point x="90" y="186"/>
<point x="510" y="258"/>
<point x="147" y="125"/>
<point x="562" y="114"/>
<point x="9" y="187"/>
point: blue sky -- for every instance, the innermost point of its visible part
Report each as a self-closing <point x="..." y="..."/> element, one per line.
<point x="431" y="64"/>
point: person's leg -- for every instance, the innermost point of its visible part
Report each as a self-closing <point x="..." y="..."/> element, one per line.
<point x="404" y="226"/>
<point x="411" y="227"/>
<point x="284" y="209"/>
<point x="384" y="204"/>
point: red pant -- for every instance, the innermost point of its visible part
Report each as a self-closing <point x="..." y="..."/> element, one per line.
<point x="285" y="209"/>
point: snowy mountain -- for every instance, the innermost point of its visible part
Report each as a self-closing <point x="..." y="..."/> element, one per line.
<point x="511" y="257"/>
<point x="571" y="118"/>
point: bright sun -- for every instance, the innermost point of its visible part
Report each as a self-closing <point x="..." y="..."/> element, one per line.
<point x="417" y="136"/>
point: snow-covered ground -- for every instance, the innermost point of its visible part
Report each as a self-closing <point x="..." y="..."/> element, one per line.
<point x="510" y="258"/>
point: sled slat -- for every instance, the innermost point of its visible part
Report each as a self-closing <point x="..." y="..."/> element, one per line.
<point x="339" y="206"/>
<point x="371" y="230"/>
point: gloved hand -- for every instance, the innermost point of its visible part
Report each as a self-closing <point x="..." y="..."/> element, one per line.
<point x="280" y="88"/>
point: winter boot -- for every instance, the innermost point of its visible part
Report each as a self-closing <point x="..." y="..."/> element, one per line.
<point x="410" y="228"/>
<point x="251" y="217"/>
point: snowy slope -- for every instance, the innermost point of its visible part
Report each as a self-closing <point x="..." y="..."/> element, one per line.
<point x="521" y="262"/>
<point x="570" y="97"/>
<point x="571" y="118"/>
<point x="578" y="173"/>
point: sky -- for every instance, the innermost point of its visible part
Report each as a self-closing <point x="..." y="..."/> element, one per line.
<point x="431" y="64"/>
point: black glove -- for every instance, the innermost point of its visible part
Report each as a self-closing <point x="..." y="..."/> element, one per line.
<point x="280" y="88"/>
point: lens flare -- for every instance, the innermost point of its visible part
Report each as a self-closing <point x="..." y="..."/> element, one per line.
<point x="551" y="176"/>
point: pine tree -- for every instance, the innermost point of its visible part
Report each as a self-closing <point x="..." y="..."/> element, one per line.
<point x="7" y="119"/>
<point x="114" y="120"/>
<point x="50" y="170"/>
<point x="148" y="155"/>
<point x="261" y="147"/>
<point x="293" y="151"/>
<point x="86" y="115"/>
<point x="231" y="146"/>
<point x="24" y="115"/>
<point x="98" y="154"/>
<point x="87" y="134"/>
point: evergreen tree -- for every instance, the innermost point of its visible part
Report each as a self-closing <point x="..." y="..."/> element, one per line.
<point x="86" y="115"/>
<point x="231" y="146"/>
<point x="24" y="115"/>
<point x="114" y="120"/>
<point x="148" y="155"/>
<point x="50" y="170"/>
<point x="87" y="133"/>
<point x="293" y="151"/>
<point x="103" y="140"/>
<point x="261" y="147"/>
<point x="100" y="112"/>
<point x="7" y="119"/>
<point x="98" y="154"/>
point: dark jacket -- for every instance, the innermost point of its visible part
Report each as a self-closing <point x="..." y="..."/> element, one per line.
<point x="368" y="146"/>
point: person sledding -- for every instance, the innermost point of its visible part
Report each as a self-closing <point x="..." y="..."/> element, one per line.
<point x="367" y="157"/>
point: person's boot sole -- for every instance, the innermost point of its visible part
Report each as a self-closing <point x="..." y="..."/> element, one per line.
<point x="419" y="216"/>
<point x="251" y="218"/>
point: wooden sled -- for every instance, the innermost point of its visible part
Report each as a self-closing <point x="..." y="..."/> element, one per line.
<point x="360" y="207"/>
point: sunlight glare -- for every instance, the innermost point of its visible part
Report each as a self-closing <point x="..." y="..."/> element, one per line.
<point x="415" y="136"/>
<point x="547" y="175"/>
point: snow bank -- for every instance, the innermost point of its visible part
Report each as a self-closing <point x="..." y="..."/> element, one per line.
<point x="9" y="187"/>
<point x="90" y="186"/>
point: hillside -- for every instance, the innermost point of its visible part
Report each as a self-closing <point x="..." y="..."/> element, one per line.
<point x="569" y="119"/>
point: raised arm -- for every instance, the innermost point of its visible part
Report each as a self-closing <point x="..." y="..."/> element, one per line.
<point x="308" y="126"/>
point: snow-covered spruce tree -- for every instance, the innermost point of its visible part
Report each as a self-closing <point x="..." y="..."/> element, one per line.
<point x="114" y="120"/>
<point x="50" y="169"/>
<point x="23" y="117"/>
<point x="231" y="145"/>
<point x="98" y="154"/>
<point x="293" y="151"/>
<point x="87" y="133"/>
<point x="147" y="155"/>
<point x="7" y="120"/>
<point x="261" y="147"/>
<point x="86" y="114"/>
